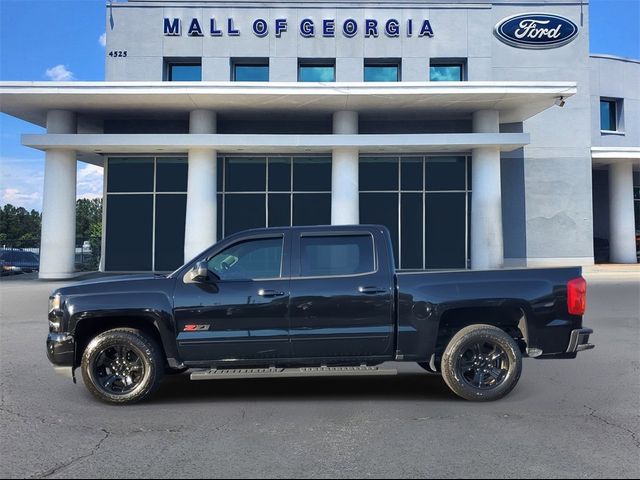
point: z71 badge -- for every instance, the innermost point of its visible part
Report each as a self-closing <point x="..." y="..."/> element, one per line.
<point x="195" y="328"/>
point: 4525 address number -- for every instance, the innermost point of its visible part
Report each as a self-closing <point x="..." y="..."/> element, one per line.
<point x="118" y="53"/>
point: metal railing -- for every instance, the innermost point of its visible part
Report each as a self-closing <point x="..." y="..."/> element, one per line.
<point x="87" y="251"/>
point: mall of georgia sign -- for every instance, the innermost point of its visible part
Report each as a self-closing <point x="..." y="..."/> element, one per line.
<point x="536" y="30"/>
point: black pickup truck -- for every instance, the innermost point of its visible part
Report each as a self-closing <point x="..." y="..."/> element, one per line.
<point x="313" y="301"/>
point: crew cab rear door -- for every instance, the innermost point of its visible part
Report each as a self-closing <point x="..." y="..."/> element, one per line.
<point x="341" y="302"/>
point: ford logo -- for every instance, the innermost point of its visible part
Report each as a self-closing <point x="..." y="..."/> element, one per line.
<point x="536" y="30"/>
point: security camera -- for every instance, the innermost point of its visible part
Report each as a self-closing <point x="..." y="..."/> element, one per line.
<point x="560" y="101"/>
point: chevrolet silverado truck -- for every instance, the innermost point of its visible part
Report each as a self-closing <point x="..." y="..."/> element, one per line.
<point x="313" y="301"/>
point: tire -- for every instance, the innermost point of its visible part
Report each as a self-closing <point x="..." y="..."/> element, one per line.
<point x="122" y="366"/>
<point x="481" y="363"/>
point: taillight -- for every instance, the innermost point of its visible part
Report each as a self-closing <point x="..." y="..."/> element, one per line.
<point x="577" y="296"/>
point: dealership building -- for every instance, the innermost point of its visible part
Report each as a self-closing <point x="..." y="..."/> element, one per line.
<point x="482" y="133"/>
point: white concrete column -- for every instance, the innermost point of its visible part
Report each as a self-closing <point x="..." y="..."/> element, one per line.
<point x="202" y="210"/>
<point x="345" y="204"/>
<point x="622" y="241"/>
<point x="58" y="244"/>
<point x="487" y="250"/>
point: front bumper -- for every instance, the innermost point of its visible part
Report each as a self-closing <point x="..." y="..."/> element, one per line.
<point x="61" y="349"/>
<point x="579" y="340"/>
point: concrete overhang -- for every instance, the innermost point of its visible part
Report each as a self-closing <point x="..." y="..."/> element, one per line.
<point x="101" y="144"/>
<point x="516" y="101"/>
<point x="603" y="156"/>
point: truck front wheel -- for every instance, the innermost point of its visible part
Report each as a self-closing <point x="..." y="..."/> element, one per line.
<point x="122" y="366"/>
<point x="481" y="363"/>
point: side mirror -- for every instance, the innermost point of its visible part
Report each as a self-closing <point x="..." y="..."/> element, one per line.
<point x="199" y="273"/>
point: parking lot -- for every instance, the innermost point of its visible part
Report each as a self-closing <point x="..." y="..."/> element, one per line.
<point x="570" y="419"/>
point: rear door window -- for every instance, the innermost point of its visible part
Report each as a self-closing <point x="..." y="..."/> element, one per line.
<point x="338" y="255"/>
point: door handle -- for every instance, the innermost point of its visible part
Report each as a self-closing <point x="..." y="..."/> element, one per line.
<point x="269" y="293"/>
<point x="371" y="290"/>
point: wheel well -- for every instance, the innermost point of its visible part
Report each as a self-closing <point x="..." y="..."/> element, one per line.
<point x="87" y="330"/>
<point x="510" y="319"/>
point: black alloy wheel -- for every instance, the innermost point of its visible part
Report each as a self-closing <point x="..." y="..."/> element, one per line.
<point x="481" y="363"/>
<point x="122" y="366"/>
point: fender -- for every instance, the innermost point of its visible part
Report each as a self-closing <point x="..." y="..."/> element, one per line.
<point x="153" y="307"/>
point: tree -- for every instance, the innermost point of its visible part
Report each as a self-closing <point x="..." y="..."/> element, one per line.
<point x="88" y="214"/>
<point x="19" y="227"/>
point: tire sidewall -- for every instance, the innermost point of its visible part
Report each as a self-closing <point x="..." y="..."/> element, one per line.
<point x="460" y="342"/>
<point x="141" y="345"/>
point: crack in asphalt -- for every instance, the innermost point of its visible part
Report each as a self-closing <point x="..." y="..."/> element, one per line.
<point x="58" y="468"/>
<point x="634" y="435"/>
<point x="26" y="418"/>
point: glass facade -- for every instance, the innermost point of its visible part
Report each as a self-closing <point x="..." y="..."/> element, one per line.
<point x="184" y="72"/>
<point x="250" y="72"/>
<point x="423" y="201"/>
<point x="314" y="71"/>
<point x="446" y="72"/>
<point x="145" y="211"/>
<point x="273" y="191"/>
<point x="608" y="115"/>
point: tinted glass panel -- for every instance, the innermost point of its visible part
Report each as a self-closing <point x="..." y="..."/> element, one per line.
<point x="129" y="232"/>
<point x="316" y="73"/>
<point x="411" y="174"/>
<point x="445" y="73"/>
<point x="185" y="73"/>
<point x="171" y="175"/>
<point x="242" y="212"/>
<point x="411" y="221"/>
<point x="381" y="73"/>
<point x="312" y="209"/>
<point x="445" y="173"/>
<point x="251" y="73"/>
<point x="279" y="209"/>
<point x="608" y="115"/>
<point x="220" y="174"/>
<point x="245" y="174"/>
<point x="220" y="209"/>
<point x="249" y="260"/>
<point x="170" y="215"/>
<point x="339" y="255"/>
<point x="445" y="230"/>
<point x="378" y="173"/>
<point x="381" y="209"/>
<point x="312" y="174"/>
<point x="280" y="174"/>
<point x="130" y="175"/>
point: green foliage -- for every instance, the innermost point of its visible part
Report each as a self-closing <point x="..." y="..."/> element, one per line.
<point x="88" y="214"/>
<point x="19" y="227"/>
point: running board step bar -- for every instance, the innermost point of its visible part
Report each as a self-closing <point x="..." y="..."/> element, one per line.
<point x="228" y="373"/>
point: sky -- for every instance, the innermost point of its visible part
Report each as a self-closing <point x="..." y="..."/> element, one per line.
<point x="63" y="40"/>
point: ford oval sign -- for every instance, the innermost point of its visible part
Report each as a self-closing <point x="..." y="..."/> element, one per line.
<point x="536" y="30"/>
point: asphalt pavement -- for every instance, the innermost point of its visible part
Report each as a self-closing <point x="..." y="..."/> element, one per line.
<point x="566" y="419"/>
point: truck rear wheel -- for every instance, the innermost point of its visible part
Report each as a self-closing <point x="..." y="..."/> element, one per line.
<point x="481" y="363"/>
<point x="122" y="366"/>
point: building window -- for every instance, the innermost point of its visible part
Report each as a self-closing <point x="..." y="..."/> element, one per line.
<point x="183" y="70"/>
<point x="610" y="115"/>
<point x="423" y="201"/>
<point x="441" y="70"/>
<point x="277" y="191"/>
<point x="250" y="70"/>
<point x="145" y="210"/>
<point x="381" y="70"/>
<point x="317" y="70"/>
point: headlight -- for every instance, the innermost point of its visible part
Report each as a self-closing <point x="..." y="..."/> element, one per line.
<point x="54" y="303"/>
